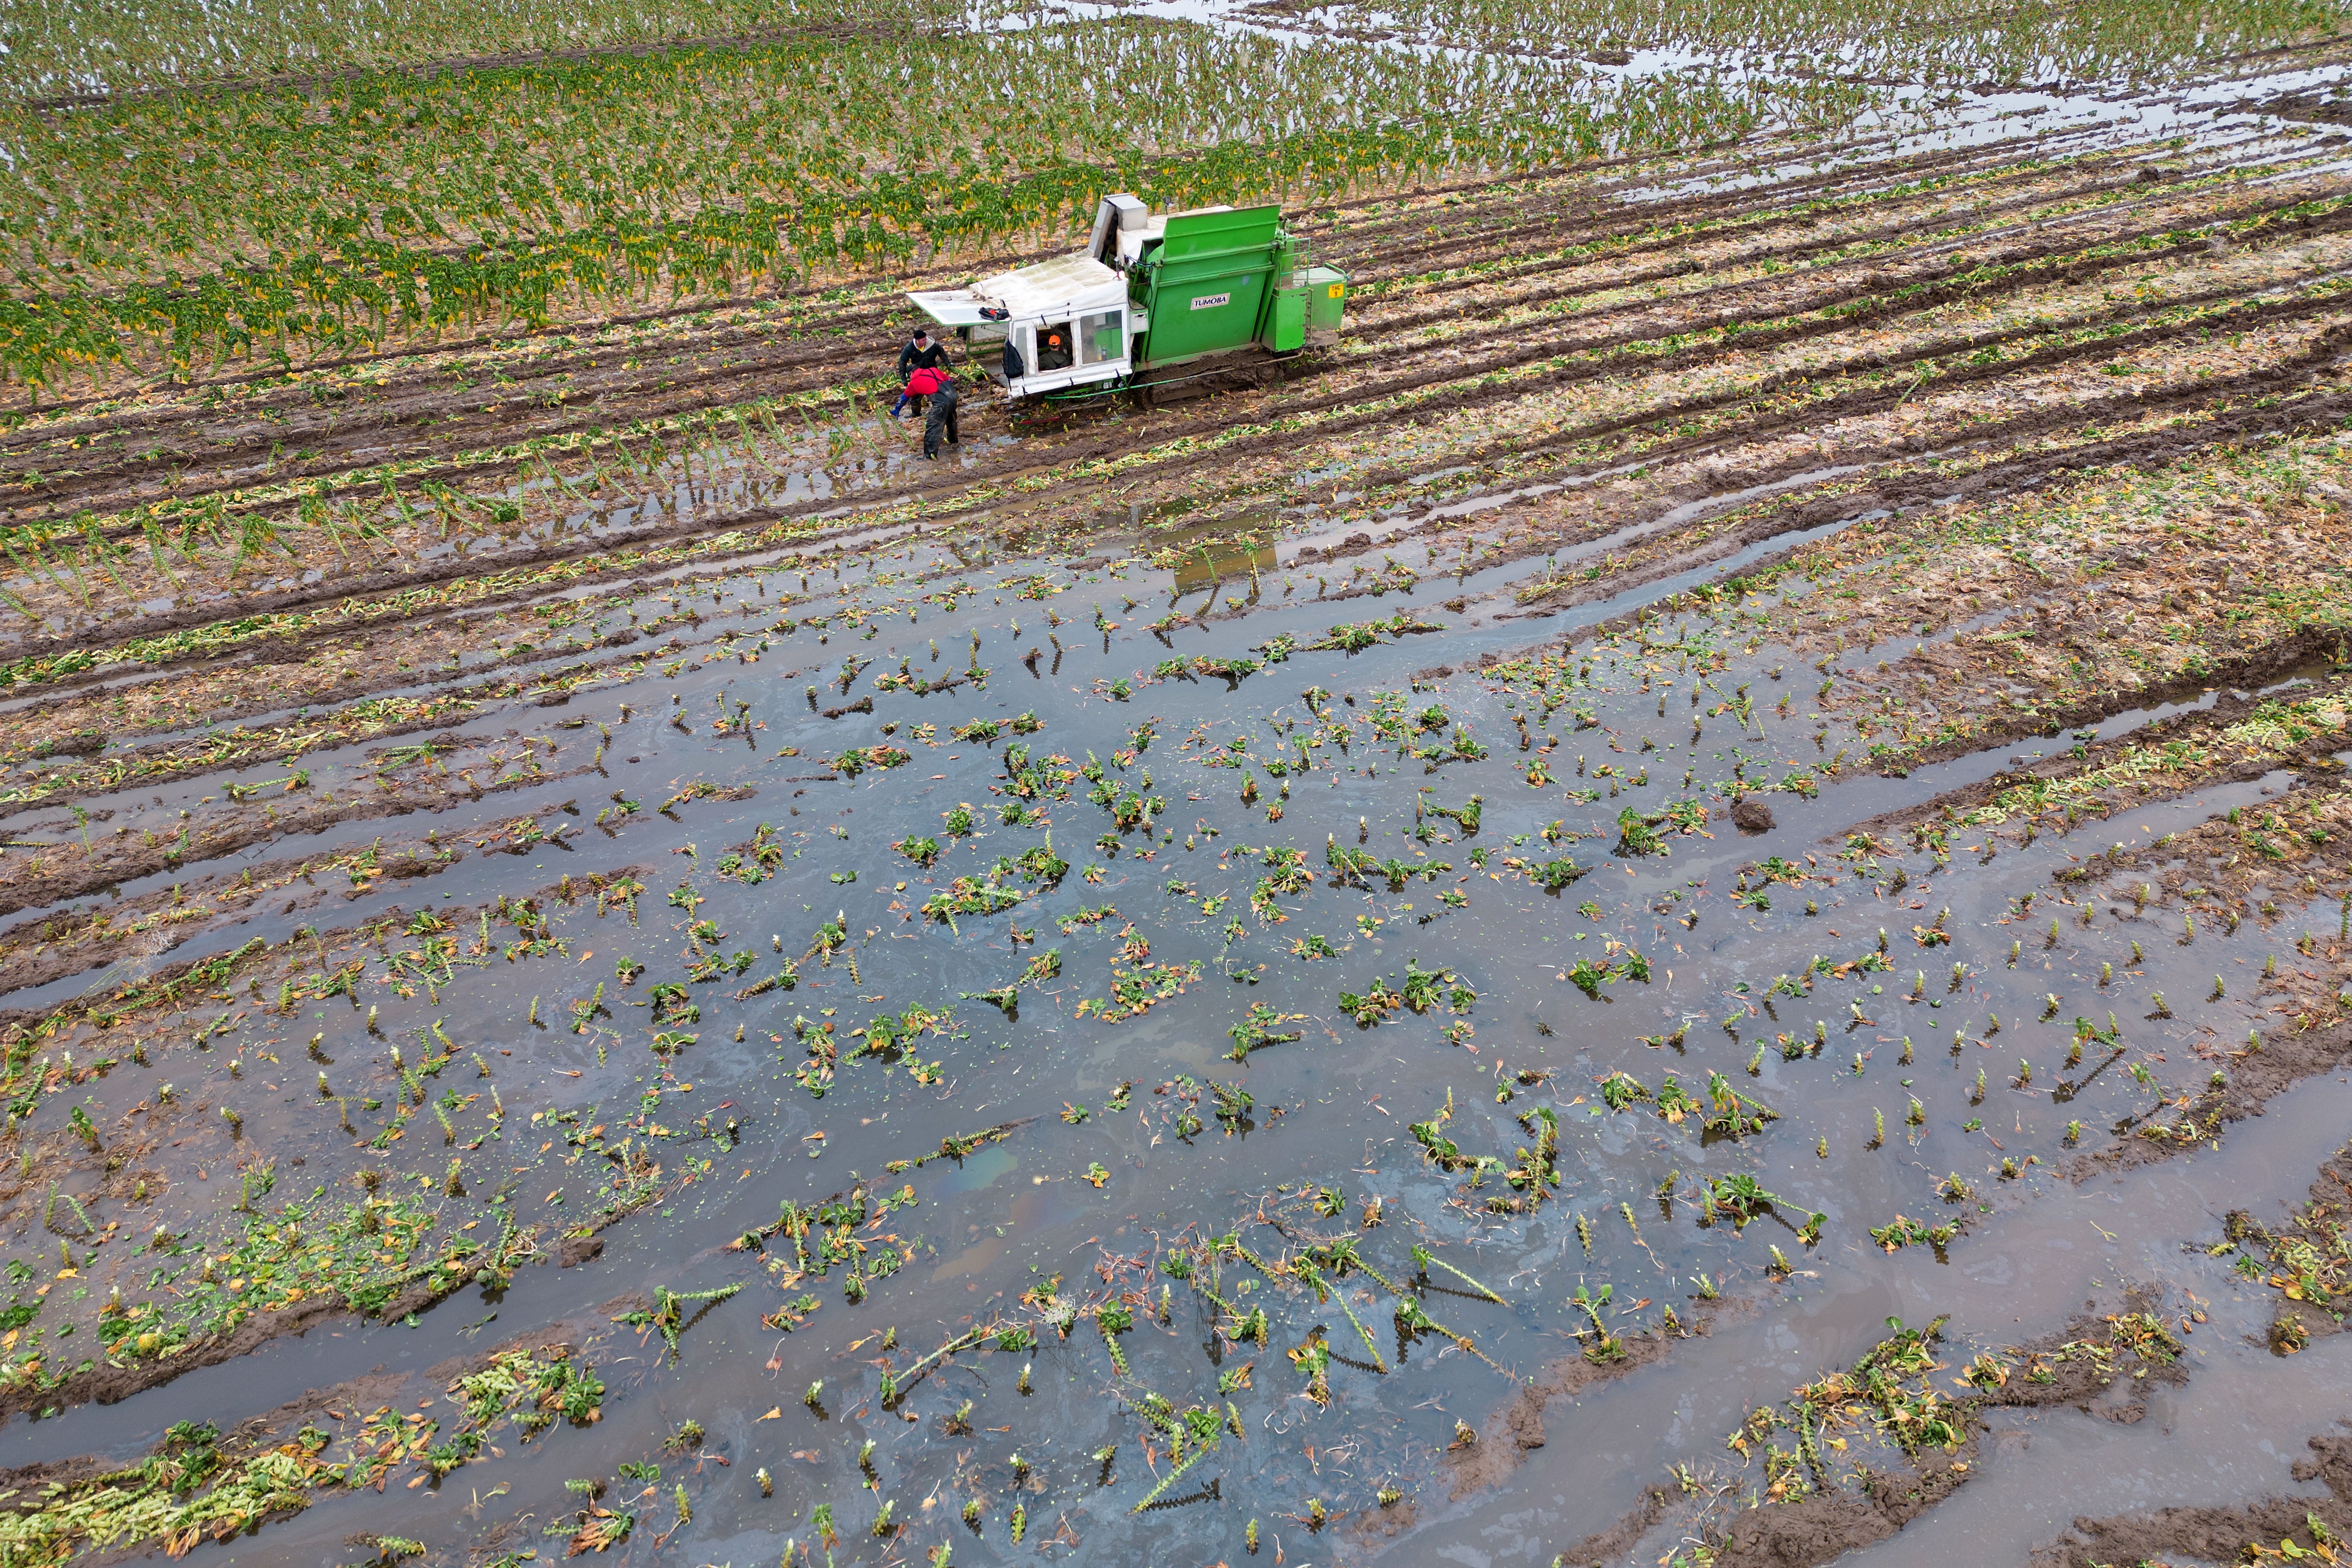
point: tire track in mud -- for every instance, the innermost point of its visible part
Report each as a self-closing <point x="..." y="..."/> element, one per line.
<point x="1865" y="182"/>
<point x="686" y="525"/>
<point x="109" y="863"/>
<point x="523" y="341"/>
<point x="1946" y="283"/>
<point x="1855" y="194"/>
<point x="1761" y="225"/>
<point x="1658" y="557"/>
<point x="1655" y="557"/>
<point x="1855" y="403"/>
<point x="2195" y="727"/>
<point x="177" y="758"/>
<point x="874" y="314"/>
<point x="609" y="411"/>
<point x="1605" y="201"/>
<point x="1598" y="221"/>
<point x="1597" y="197"/>
<point x="1587" y="201"/>
<point x="1937" y="292"/>
<point x="1878" y="495"/>
<point x="1933" y="284"/>
<point x="532" y="341"/>
<point x="154" y="981"/>
<point x="294" y="418"/>
<point x="1865" y="401"/>
<point x="2022" y="470"/>
<point x="1094" y="448"/>
<point x="328" y="448"/>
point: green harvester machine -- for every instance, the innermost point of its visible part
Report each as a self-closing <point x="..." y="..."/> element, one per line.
<point x="1172" y="306"/>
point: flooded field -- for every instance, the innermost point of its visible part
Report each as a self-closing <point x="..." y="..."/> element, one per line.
<point x="1687" y="904"/>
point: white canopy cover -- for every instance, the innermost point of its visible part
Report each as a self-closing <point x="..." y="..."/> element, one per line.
<point x="1051" y="290"/>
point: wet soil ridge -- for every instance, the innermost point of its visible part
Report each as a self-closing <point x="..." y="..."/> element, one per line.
<point x="2283" y="1527"/>
<point x="1820" y="303"/>
<point x="2306" y="1258"/>
<point x="1486" y="1458"/>
<point x="1859" y="1454"/>
<point x="204" y="1483"/>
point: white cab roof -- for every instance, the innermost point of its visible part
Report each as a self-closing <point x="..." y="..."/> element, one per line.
<point x="1067" y="286"/>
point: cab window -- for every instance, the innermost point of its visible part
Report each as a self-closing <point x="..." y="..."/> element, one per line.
<point x="1102" y="337"/>
<point x="1055" y="347"/>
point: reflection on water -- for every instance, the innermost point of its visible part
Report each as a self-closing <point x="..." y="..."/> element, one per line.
<point x="1204" y="564"/>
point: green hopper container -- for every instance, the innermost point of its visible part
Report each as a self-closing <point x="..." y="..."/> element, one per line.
<point x="1207" y="285"/>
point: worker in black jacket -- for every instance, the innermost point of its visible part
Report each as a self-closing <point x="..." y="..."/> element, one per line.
<point x="920" y="353"/>
<point x="940" y="422"/>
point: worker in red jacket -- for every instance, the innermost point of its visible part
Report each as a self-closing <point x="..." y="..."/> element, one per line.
<point x="924" y="382"/>
<point x="920" y="353"/>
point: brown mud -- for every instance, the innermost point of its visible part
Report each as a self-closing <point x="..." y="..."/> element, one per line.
<point x="1522" y="349"/>
<point x="2220" y="1534"/>
<point x="1517" y="1428"/>
<point x="70" y="870"/>
<point x="2213" y="856"/>
<point x="2300" y="1315"/>
<point x="2060" y="1370"/>
<point x="311" y="958"/>
<point x="2198" y="727"/>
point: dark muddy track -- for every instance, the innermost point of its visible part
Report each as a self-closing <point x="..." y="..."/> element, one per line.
<point x="606" y="389"/>
<point x="1936" y="281"/>
<point x="1746" y="223"/>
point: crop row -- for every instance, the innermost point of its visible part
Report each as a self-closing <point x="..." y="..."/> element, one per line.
<point x="257" y="223"/>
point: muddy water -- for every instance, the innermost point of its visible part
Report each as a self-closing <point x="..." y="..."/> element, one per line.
<point x="2230" y="1433"/>
<point x="1330" y="1109"/>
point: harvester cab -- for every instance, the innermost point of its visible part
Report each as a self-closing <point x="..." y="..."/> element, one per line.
<point x="1173" y="305"/>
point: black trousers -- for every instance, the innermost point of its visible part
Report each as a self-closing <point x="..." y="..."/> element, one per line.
<point x="936" y="424"/>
